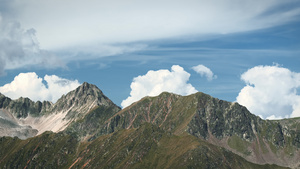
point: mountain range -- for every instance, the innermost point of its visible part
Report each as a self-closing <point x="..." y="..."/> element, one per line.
<point x="85" y="129"/>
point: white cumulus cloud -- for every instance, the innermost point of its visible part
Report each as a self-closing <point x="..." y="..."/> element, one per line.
<point x="31" y="86"/>
<point x="271" y="91"/>
<point x="155" y="82"/>
<point x="204" y="71"/>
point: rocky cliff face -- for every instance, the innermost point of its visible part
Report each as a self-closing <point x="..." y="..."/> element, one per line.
<point x="23" y="107"/>
<point x="81" y="100"/>
<point x="46" y="116"/>
<point x="9" y="126"/>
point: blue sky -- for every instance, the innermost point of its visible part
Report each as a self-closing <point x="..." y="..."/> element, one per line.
<point x="109" y="43"/>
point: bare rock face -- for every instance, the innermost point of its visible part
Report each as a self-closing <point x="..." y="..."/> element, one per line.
<point x="22" y="107"/>
<point x="9" y="127"/>
<point x="24" y="118"/>
<point x="81" y="101"/>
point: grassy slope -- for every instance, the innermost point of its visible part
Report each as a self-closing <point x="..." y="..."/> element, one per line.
<point x="48" y="150"/>
<point x="145" y="147"/>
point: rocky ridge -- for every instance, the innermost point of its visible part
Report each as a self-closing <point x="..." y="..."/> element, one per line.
<point x="140" y="135"/>
<point x="46" y="116"/>
<point x="221" y="123"/>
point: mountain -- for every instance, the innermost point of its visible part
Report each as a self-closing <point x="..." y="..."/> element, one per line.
<point x="218" y="122"/>
<point x="25" y="118"/>
<point x="166" y="131"/>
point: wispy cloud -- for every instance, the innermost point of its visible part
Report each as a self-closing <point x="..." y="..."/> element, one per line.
<point x="104" y="22"/>
<point x="94" y="51"/>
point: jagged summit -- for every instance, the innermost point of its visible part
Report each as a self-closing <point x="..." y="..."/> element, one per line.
<point x="43" y="116"/>
<point x="85" y="93"/>
<point x="86" y="89"/>
<point x="82" y="99"/>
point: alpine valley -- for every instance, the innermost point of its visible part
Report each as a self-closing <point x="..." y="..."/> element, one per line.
<point x="84" y="129"/>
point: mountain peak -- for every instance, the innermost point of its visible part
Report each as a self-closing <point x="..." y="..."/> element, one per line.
<point x="83" y="98"/>
<point x="86" y="85"/>
<point x="88" y="89"/>
<point x="43" y="116"/>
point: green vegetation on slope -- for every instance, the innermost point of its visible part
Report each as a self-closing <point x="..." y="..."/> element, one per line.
<point x="145" y="147"/>
<point x="92" y="123"/>
<point x="239" y="144"/>
<point x="48" y="150"/>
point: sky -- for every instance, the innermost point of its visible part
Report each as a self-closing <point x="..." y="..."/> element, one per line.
<point x="239" y="51"/>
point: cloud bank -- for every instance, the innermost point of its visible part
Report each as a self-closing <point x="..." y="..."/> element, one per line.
<point x="271" y="92"/>
<point x="31" y="86"/>
<point x="96" y="29"/>
<point x="108" y="22"/>
<point x="204" y="71"/>
<point x="155" y="82"/>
